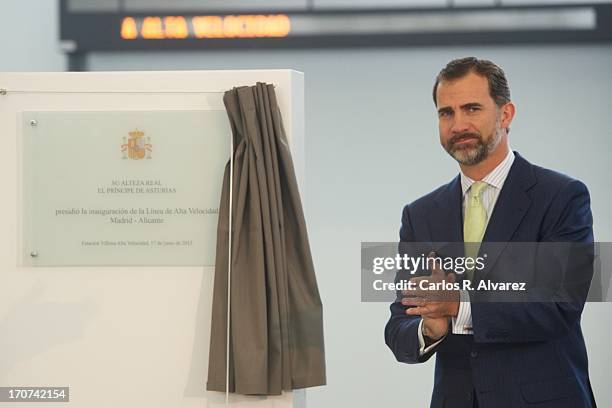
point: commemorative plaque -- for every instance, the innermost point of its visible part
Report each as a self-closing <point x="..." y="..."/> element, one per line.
<point x="122" y="187"/>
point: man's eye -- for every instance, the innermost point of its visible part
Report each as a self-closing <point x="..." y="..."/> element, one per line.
<point x="473" y="109"/>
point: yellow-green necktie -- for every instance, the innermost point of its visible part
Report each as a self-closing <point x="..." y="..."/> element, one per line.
<point x="475" y="222"/>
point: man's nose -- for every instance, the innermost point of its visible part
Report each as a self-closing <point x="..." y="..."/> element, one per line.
<point x="459" y="124"/>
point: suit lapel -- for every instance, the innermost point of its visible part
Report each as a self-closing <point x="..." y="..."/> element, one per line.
<point x="510" y="208"/>
<point x="446" y="222"/>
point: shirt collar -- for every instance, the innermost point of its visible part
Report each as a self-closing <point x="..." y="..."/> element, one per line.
<point x="495" y="178"/>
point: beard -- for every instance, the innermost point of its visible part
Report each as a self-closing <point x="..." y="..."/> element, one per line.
<point x="475" y="152"/>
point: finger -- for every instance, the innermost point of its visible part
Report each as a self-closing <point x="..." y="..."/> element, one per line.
<point x="408" y="292"/>
<point x="436" y="271"/>
<point x="428" y="310"/>
<point x="418" y="310"/>
<point x="414" y="301"/>
<point x="412" y="293"/>
<point x="415" y="284"/>
<point x="431" y="294"/>
<point x="424" y="311"/>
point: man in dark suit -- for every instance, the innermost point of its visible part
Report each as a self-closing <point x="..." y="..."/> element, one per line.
<point x="492" y="354"/>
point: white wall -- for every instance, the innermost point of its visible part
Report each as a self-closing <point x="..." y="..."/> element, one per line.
<point x="29" y="31"/>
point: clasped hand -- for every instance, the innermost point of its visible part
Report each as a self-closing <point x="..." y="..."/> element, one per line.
<point x="429" y="298"/>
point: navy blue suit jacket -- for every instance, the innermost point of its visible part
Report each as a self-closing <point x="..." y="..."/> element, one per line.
<point x="521" y="354"/>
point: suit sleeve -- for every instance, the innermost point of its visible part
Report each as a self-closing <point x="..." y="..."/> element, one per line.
<point x="568" y="219"/>
<point x="402" y="330"/>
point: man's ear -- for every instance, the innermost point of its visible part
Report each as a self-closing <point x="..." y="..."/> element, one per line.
<point x="507" y="114"/>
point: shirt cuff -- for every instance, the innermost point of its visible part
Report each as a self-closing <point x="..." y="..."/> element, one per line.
<point x="462" y="324"/>
<point x="422" y="349"/>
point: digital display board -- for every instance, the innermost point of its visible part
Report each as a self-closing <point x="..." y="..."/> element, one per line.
<point x="88" y="25"/>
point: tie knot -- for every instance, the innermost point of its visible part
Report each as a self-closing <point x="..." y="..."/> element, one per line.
<point x="476" y="188"/>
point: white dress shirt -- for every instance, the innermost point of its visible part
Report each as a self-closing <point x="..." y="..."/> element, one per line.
<point x="462" y="323"/>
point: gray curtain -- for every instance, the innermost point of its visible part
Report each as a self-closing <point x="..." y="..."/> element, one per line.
<point x="276" y="324"/>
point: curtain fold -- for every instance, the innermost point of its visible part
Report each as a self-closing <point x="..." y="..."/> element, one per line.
<point x="276" y="323"/>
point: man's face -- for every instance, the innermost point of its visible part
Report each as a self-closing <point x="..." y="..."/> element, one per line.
<point x="469" y="121"/>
